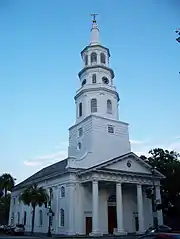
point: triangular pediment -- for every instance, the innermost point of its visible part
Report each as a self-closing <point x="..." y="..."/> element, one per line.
<point x="128" y="163"/>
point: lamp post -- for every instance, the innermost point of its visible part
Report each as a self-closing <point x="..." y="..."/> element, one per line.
<point x="50" y="213"/>
<point x="155" y="219"/>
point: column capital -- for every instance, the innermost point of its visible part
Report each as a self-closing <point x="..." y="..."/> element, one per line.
<point x="139" y="185"/>
<point x="94" y="180"/>
<point x="118" y="184"/>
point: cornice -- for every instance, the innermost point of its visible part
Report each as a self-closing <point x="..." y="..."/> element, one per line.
<point x="96" y="66"/>
<point x="95" y="46"/>
<point x="99" y="117"/>
<point x="119" y="178"/>
<point x="97" y="89"/>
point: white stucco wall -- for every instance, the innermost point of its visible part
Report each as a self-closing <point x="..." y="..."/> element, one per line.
<point x="57" y="204"/>
<point x="97" y="144"/>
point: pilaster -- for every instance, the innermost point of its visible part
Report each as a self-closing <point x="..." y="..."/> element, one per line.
<point x="71" y="208"/>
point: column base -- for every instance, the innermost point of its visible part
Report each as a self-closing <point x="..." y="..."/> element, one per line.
<point x="121" y="233"/>
<point x="95" y="234"/>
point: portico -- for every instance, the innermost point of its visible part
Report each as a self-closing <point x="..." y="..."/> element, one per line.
<point x="129" y="210"/>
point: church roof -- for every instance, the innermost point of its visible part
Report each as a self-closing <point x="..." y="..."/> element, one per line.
<point x="45" y="173"/>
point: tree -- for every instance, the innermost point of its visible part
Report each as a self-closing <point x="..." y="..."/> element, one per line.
<point x="34" y="196"/>
<point x="6" y="183"/>
<point x="167" y="162"/>
<point x="4" y="209"/>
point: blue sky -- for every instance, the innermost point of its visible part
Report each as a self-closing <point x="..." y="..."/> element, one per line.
<point x="40" y="46"/>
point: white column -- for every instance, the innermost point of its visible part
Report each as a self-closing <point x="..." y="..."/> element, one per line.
<point x="95" y="208"/>
<point x="119" y="209"/>
<point x="159" y="213"/>
<point x="140" y="208"/>
<point x="71" y="187"/>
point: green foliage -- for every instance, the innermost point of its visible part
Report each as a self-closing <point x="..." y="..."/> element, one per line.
<point x="6" y="183"/>
<point x="4" y="209"/>
<point x="34" y="196"/>
<point x="167" y="162"/>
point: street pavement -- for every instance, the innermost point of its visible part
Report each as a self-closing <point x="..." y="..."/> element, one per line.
<point x="17" y="237"/>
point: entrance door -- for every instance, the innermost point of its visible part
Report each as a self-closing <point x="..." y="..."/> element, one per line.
<point x="88" y="225"/>
<point x="112" y="219"/>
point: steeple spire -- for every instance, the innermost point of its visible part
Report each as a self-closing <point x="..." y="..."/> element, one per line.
<point x="94" y="31"/>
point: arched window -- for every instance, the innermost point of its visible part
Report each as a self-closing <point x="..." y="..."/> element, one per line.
<point x="109" y="106"/>
<point x="86" y="60"/>
<point x="62" y="217"/>
<point x="94" y="78"/>
<point x="84" y="82"/>
<point x="93" y="57"/>
<point x="80" y="109"/>
<point x="103" y="58"/>
<point x="93" y="105"/>
<point x="40" y="218"/>
<point x="62" y="192"/>
<point x="25" y="217"/>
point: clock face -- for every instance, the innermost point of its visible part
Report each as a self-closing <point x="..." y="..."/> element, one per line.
<point x="105" y="80"/>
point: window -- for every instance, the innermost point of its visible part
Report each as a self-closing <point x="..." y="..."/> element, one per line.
<point x="93" y="57"/>
<point x="94" y="78"/>
<point x="109" y="106"/>
<point x="84" y="82"/>
<point x="62" y="217"/>
<point x="80" y="132"/>
<point x="86" y="60"/>
<point x="18" y="221"/>
<point x="103" y="58"/>
<point x="93" y="105"/>
<point x="62" y="192"/>
<point x="40" y="218"/>
<point x="25" y="217"/>
<point x="111" y="129"/>
<point x="105" y="80"/>
<point x="80" y="109"/>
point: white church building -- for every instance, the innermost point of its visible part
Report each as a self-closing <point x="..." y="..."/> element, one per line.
<point x="100" y="187"/>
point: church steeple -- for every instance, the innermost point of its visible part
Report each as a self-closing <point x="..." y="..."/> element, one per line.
<point x="97" y="124"/>
<point x="94" y="32"/>
<point x="97" y="94"/>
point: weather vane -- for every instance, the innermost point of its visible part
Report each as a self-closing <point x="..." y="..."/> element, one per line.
<point x="94" y="16"/>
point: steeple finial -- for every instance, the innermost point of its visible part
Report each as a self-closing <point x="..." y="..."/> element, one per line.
<point x="94" y="17"/>
<point x="94" y="31"/>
